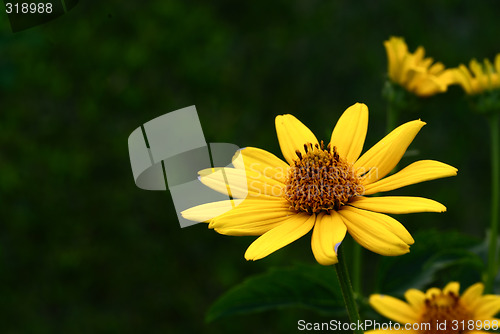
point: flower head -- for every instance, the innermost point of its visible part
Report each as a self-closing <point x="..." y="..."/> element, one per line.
<point x="320" y="187"/>
<point x="469" y="312"/>
<point x="414" y="72"/>
<point x="480" y="78"/>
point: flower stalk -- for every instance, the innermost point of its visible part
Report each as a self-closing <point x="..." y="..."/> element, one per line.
<point x="494" y="121"/>
<point x="347" y="292"/>
<point x="356" y="268"/>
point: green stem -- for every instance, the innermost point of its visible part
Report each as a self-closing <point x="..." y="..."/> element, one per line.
<point x="392" y="116"/>
<point x="494" y="121"/>
<point x="347" y="293"/>
<point x="356" y="268"/>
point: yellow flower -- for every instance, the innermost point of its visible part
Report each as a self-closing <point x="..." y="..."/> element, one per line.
<point x="322" y="188"/>
<point x="469" y="313"/>
<point x="480" y="78"/>
<point x="413" y="71"/>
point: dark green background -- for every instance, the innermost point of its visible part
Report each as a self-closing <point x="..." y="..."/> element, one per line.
<point x="82" y="250"/>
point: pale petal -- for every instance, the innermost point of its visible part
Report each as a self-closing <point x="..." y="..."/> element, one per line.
<point x="350" y="132"/>
<point x="397" y="204"/>
<point x="240" y="183"/>
<point x="420" y="171"/>
<point x="292" y="135"/>
<point x="205" y="212"/>
<point x="290" y="230"/>
<point x="416" y="299"/>
<point x="261" y="161"/>
<point x="385" y="155"/>
<point x="394" y="309"/>
<point x="328" y="233"/>
<point x="379" y="233"/>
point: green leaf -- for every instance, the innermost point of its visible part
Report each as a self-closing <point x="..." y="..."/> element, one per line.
<point x="307" y="286"/>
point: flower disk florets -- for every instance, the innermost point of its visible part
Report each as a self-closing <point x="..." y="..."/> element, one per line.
<point x="441" y="308"/>
<point x="320" y="180"/>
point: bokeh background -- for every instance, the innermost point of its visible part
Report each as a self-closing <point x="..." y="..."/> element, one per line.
<point x="83" y="250"/>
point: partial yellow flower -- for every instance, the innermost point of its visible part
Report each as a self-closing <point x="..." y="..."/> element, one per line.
<point x="414" y="72"/>
<point x="320" y="188"/>
<point x="472" y="312"/>
<point x="480" y="78"/>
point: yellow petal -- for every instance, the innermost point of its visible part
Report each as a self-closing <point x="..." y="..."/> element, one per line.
<point x="472" y="295"/>
<point x="385" y="155"/>
<point x="350" y="132"/>
<point x="436" y="68"/>
<point x="414" y="76"/>
<point x="447" y="77"/>
<point x="328" y="233"/>
<point x="205" y="212"/>
<point x="479" y="75"/>
<point x="407" y="64"/>
<point x="394" y="309"/>
<point x="380" y="221"/>
<point x="240" y="183"/>
<point x="253" y="228"/>
<point x="420" y="171"/>
<point x="432" y="292"/>
<point x="252" y="216"/>
<point x="463" y="77"/>
<point x="419" y="55"/>
<point x="452" y="287"/>
<point x="397" y="204"/>
<point x="377" y="232"/>
<point x="261" y="161"/>
<point x="487" y="306"/>
<point x="431" y="85"/>
<point x="416" y="299"/>
<point x="396" y="49"/>
<point x="497" y="63"/>
<point x="290" y="230"/>
<point x="292" y="135"/>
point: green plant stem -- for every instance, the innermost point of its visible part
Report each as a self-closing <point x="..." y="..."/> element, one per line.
<point x="392" y="116"/>
<point x="356" y="268"/>
<point x="494" y="121"/>
<point x="347" y="293"/>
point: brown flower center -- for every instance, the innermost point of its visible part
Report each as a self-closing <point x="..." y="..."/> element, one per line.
<point x="445" y="307"/>
<point x="320" y="180"/>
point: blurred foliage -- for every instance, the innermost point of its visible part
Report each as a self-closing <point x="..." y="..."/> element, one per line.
<point x="306" y="286"/>
<point x="82" y="250"/>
